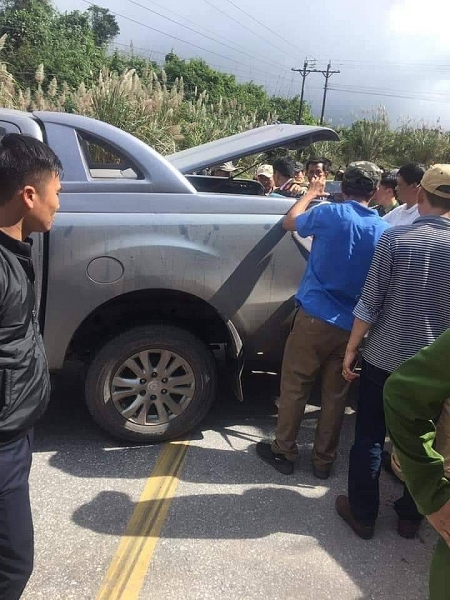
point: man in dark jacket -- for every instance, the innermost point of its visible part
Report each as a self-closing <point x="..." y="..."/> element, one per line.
<point x="29" y="188"/>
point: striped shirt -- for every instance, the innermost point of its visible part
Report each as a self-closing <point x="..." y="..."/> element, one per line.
<point x="406" y="296"/>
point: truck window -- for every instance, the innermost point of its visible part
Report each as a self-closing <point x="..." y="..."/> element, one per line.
<point x="6" y="128"/>
<point x="104" y="161"/>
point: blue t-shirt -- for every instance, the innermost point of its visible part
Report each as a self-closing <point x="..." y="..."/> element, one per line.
<point x="344" y="240"/>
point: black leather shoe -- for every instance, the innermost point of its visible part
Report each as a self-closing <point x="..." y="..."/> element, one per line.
<point x="277" y="461"/>
<point x="408" y="529"/>
<point x="322" y="472"/>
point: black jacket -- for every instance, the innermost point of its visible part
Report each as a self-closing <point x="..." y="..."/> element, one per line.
<point x="24" y="376"/>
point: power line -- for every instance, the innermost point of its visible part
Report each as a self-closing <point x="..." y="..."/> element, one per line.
<point x="291" y="83"/>
<point x="150" y="52"/>
<point x="208" y="37"/>
<point x="193" y="23"/>
<point x="389" y="95"/>
<point x="393" y="91"/>
<point x="245" y="27"/>
<point x="304" y="72"/>
<point x="349" y="63"/>
<point x="173" y="37"/>
<point x="388" y="62"/>
<point x="377" y="65"/>
<point x="262" y="25"/>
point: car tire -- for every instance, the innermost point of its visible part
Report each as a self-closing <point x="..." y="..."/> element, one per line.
<point x="128" y="373"/>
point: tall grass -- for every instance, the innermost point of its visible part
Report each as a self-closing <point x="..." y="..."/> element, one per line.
<point x="160" y="115"/>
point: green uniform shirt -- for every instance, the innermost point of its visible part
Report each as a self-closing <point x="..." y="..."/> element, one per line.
<point x="382" y="211"/>
<point x="413" y="399"/>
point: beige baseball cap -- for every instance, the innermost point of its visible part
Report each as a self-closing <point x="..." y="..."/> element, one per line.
<point x="437" y="181"/>
<point x="265" y="170"/>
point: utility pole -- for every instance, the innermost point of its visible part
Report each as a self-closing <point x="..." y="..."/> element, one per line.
<point x="327" y="74"/>
<point x="304" y="73"/>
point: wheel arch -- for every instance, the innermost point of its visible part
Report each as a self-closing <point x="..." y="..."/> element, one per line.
<point x="139" y="307"/>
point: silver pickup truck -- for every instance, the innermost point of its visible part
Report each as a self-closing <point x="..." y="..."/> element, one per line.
<point x="151" y="272"/>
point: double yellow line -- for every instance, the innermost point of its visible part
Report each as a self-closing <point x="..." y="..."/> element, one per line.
<point x="127" y="571"/>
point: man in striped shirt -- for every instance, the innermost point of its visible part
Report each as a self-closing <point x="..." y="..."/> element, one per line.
<point x="403" y="307"/>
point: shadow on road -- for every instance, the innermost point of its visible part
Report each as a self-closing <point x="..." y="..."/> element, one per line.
<point x="305" y="509"/>
<point x="299" y="505"/>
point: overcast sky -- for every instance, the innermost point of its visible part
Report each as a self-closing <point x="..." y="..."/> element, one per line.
<point x="397" y="48"/>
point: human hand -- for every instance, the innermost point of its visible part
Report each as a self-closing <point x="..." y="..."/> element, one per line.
<point x="348" y="365"/>
<point x="440" y="520"/>
<point x="317" y="185"/>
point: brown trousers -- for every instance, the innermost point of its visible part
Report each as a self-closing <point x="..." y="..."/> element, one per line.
<point x="313" y="348"/>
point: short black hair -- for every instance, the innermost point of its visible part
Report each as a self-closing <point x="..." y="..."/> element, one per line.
<point x="437" y="201"/>
<point x="389" y="181"/>
<point x="356" y="192"/>
<point x="285" y="166"/>
<point x="317" y="161"/>
<point x="412" y="173"/>
<point x="24" y="160"/>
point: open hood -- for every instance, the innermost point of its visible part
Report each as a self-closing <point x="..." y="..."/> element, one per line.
<point x="255" y="141"/>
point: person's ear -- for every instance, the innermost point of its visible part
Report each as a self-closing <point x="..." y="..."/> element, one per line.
<point x="421" y="196"/>
<point x="28" y="196"/>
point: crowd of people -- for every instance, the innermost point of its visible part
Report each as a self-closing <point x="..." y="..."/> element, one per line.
<point x="377" y="272"/>
<point x="378" y="269"/>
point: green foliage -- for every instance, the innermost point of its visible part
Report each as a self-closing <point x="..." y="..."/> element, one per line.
<point x="103" y="24"/>
<point x="369" y="138"/>
<point x="423" y="144"/>
<point x="118" y="62"/>
<point x="59" y="61"/>
<point x="200" y="77"/>
<point x="373" y="138"/>
<point x="66" y="43"/>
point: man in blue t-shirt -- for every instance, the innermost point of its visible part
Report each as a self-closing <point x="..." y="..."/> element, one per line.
<point x="344" y="239"/>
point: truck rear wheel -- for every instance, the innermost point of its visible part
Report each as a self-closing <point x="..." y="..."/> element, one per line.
<point x="151" y="383"/>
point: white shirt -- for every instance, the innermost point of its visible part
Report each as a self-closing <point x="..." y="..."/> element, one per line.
<point x="402" y="215"/>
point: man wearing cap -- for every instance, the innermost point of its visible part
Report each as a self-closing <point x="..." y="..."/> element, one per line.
<point x="264" y="174"/>
<point x="223" y="170"/>
<point x="404" y="306"/>
<point x="299" y="173"/>
<point x="344" y="240"/>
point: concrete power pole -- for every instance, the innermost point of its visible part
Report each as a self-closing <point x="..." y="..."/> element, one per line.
<point x="304" y="73"/>
<point x="327" y="74"/>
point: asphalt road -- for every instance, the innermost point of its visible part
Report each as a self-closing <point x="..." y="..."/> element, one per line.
<point x="234" y="528"/>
